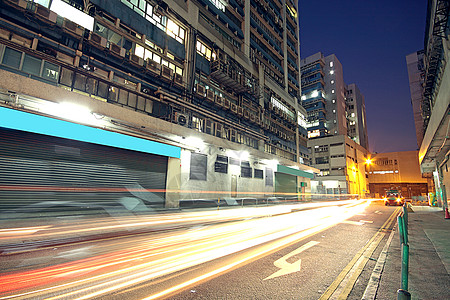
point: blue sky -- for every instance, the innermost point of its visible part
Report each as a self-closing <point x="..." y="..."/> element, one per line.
<point x="371" y="39"/>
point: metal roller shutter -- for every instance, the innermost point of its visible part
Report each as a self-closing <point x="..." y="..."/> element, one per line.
<point x="43" y="171"/>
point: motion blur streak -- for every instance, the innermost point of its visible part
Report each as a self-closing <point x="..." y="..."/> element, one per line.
<point x="120" y="263"/>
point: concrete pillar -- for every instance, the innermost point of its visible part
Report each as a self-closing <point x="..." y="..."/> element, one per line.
<point x="173" y="183"/>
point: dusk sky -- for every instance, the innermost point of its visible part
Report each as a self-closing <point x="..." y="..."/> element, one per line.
<point x="371" y="39"/>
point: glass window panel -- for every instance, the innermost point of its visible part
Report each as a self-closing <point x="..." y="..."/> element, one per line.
<point x="50" y="71"/>
<point x="142" y="4"/>
<point x="134" y="2"/>
<point x="199" y="46"/>
<point x="148" y="106"/>
<point x="91" y="86"/>
<point x="132" y="99"/>
<point x="12" y="58"/>
<point x="139" y="51"/>
<point x="80" y="82"/>
<point x="32" y="65"/>
<point x="140" y="103"/>
<point x="138" y="11"/>
<point x="149" y="9"/>
<point x="102" y="90"/>
<point x="182" y="33"/>
<point x="66" y="77"/>
<point x="179" y="70"/>
<point x="157" y="58"/>
<point x="165" y="63"/>
<point x="147" y="54"/>
<point x="123" y="97"/>
<point x="112" y="94"/>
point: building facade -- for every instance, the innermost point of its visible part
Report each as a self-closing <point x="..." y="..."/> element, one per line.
<point x="341" y="162"/>
<point x="356" y="115"/>
<point x="323" y="95"/>
<point x="415" y="65"/>
<point x="214" y="84"/>
<point x="399" y="171"/>
<point x="435" y="147"/>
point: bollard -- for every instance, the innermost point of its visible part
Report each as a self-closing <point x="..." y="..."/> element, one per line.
<point x="405" y="218"/>
<point x="403" y="295"/>
<point x="403" y="233"/>
<point x="405" y="266"/>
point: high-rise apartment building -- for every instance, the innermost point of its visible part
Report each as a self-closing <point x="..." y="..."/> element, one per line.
<point x="173" y="94"/>
<point x="336" y="124"/>
<point x="323" y="95"/>
<point x="435" y="146"/>
<point x="356" y="115"/>
<point x="415" y="65"/>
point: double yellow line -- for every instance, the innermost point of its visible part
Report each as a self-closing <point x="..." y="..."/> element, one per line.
<point x="361" y="259"/>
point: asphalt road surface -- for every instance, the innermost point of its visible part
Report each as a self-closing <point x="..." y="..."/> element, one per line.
<point x="308" y="251"/>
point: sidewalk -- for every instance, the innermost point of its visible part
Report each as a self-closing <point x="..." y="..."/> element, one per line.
<point x="429" y="257"/>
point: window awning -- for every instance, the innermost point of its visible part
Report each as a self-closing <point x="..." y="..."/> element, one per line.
<point x="295" y="172"/>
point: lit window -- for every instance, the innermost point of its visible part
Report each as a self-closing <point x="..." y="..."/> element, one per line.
<point x="334" y="101"/>
<point x="332" y="81"/>
<point x="303" y="97"/>
<point x="315" y="93"/>
<point x="334" y="111"/>
<point x="139" y="51"/>
<point x="332" y="72"/>
<point x="332" y="91"/>
<point x="353" y="115"/>
<point x="204" y="51"/>
<point x="331" y="64"/>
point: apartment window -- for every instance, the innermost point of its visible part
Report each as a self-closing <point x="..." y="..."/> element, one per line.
<point x="258" y="174"/>
<point x="332" y="91"/>
<point x="332" y="81"/>
<point x="333" y="101"/>
<point x="334" y="111"/>
<point x="147" y="11"/>
<point x="331" y="72"/>
<point x="175" y="31"/>
<point x="198" y="166"/>
<point x="246" y="170"/>
<point x="322" y="160"/>
<point x="205" y="51"/>
<point x="221" y="164"/>
<point x="331" y="64"/>
<point x="353" y="114"/>
<point x="12" y="58"/>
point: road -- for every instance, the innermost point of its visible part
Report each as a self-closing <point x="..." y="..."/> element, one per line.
<point x="303" y="251"/>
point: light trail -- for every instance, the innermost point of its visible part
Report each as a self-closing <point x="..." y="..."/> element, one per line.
<point x="123" y="264"/>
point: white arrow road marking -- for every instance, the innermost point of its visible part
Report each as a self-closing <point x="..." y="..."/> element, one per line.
<point x="287" y="268"/>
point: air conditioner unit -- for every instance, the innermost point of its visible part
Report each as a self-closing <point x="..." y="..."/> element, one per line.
<point x="234" y="108"/>
<point x="178" y="79"/>
<point x="166" y="73"/>
<point x="246" y="114"/>
<point x="97" y="40"/>
<point x="226" y="104"/>
<point x="137" y="60"/>
<point x="72" y="28"/>
<point x="20" y="4"/>
<point x="240" y="111"/>
<point x="181" y="119"/>
<point x="210" y="95"/>
<point x="116" y="50"/>
<point x="45" y="14"/>
<point x="252" y="118"/>
<point x="153" y="67"/>
<point x="200" y="90"/>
